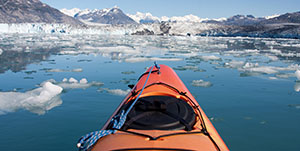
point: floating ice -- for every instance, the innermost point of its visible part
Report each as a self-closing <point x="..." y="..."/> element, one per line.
<point x="297" y="73"/>
<point x="64" y="70"/>
<point x="255" y="68"/>
<point x="234" y="64"/>
<point x="208" y="58"/>
<point x="189" y="67"/>
<point x="297" y="86"/>
<point x="128" y="72"/>
<point x="73" y="80"/>
<point x="1" y="51"/>
<point x="201" y="83"/>
<point x="65" y="80"/>
<point x="72" y="83"/>
<point x="38" y="100"/>
<point x="273" y="58"/>
<point x="297" y="106"/>
<point x="83" y="81"/>
<point x="119" y="92"/>
<point x="285" y="75"/>
<point x="273" y="78"/>
<point x="144" y="59"/>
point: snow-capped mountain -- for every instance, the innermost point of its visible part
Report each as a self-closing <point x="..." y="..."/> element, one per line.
<point x="239" y="20"/>
<point x="70" y="12"/>
<point x="144" y="18"/>
<point x="32" y="11"/>
<point x="104" y="16"/>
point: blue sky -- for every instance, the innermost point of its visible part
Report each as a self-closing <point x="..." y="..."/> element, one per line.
<point x="201" y="8"/>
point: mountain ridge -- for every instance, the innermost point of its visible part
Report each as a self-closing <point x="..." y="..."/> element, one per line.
<point x="32" y="11"/>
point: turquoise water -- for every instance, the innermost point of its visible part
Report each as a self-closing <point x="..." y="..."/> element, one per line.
<point x="252" y="98"/>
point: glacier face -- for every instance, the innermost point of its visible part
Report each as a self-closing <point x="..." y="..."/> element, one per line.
<point x="177" y="28"/>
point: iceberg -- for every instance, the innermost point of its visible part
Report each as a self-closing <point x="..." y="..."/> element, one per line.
<point x="37" y="101"/>
<point x="43" y="98"/>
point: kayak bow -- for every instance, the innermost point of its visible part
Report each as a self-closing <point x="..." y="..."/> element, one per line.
<point x="158" y="114"/>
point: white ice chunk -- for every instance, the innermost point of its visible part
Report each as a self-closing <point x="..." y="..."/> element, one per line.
<point x="1" y="51"/>
<point x="64" y="70"/>
<point x="77" y="70"/>
<point x="144" y="59"/>
<point x="297" y="73"/>
<point x="234" y="64"/>
<point x="38" y="100"/>
<point x="119" y="92"/>
<point x="83" y="81"/>
<point x="297" y="87"/>
<point x="209" y="58"/>
<point x="201" y="83"/>
<point x="73" y="80"/>
<point x="73" y="84"/>
<point x="273" y="78"/>
<point x="65" y="80"/>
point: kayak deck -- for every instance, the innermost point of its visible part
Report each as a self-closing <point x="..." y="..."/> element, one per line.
<point x="165" y="117"/>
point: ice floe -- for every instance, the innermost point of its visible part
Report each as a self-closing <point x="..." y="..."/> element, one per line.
<point x="72" y="83"/>
<point x="234" y="64"/>
<point x="297" y="73"/>
<point x="207" y="58"/>
<point x="65" y="70"/>
<point x="297" y="106"/>
<point x="43" y="98"/>
<point x="128" y="72"/>
<point x="118" y="92"/>
<point x="1" y="51"/>
<point x="297" y="86"/>
<point x="201" y="83"/>
<point x="144" y="59"/>
<point x="38" y="100"/>
<point x="189" y="67"/>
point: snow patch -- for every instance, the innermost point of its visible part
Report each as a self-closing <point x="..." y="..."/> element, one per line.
<point x="70" y="12"/>
<point x="272" y="16"/>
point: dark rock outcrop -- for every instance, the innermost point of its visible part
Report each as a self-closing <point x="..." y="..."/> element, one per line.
<point x="143" y="32"/>
<point x="165" y="28"/>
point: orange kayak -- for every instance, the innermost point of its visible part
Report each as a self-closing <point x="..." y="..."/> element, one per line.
<point x="161" y="115"/>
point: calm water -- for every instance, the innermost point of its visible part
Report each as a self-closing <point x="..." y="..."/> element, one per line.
<point x="250" y="90"/>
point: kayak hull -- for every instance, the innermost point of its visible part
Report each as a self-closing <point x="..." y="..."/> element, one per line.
<point x="163" y="82"/>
